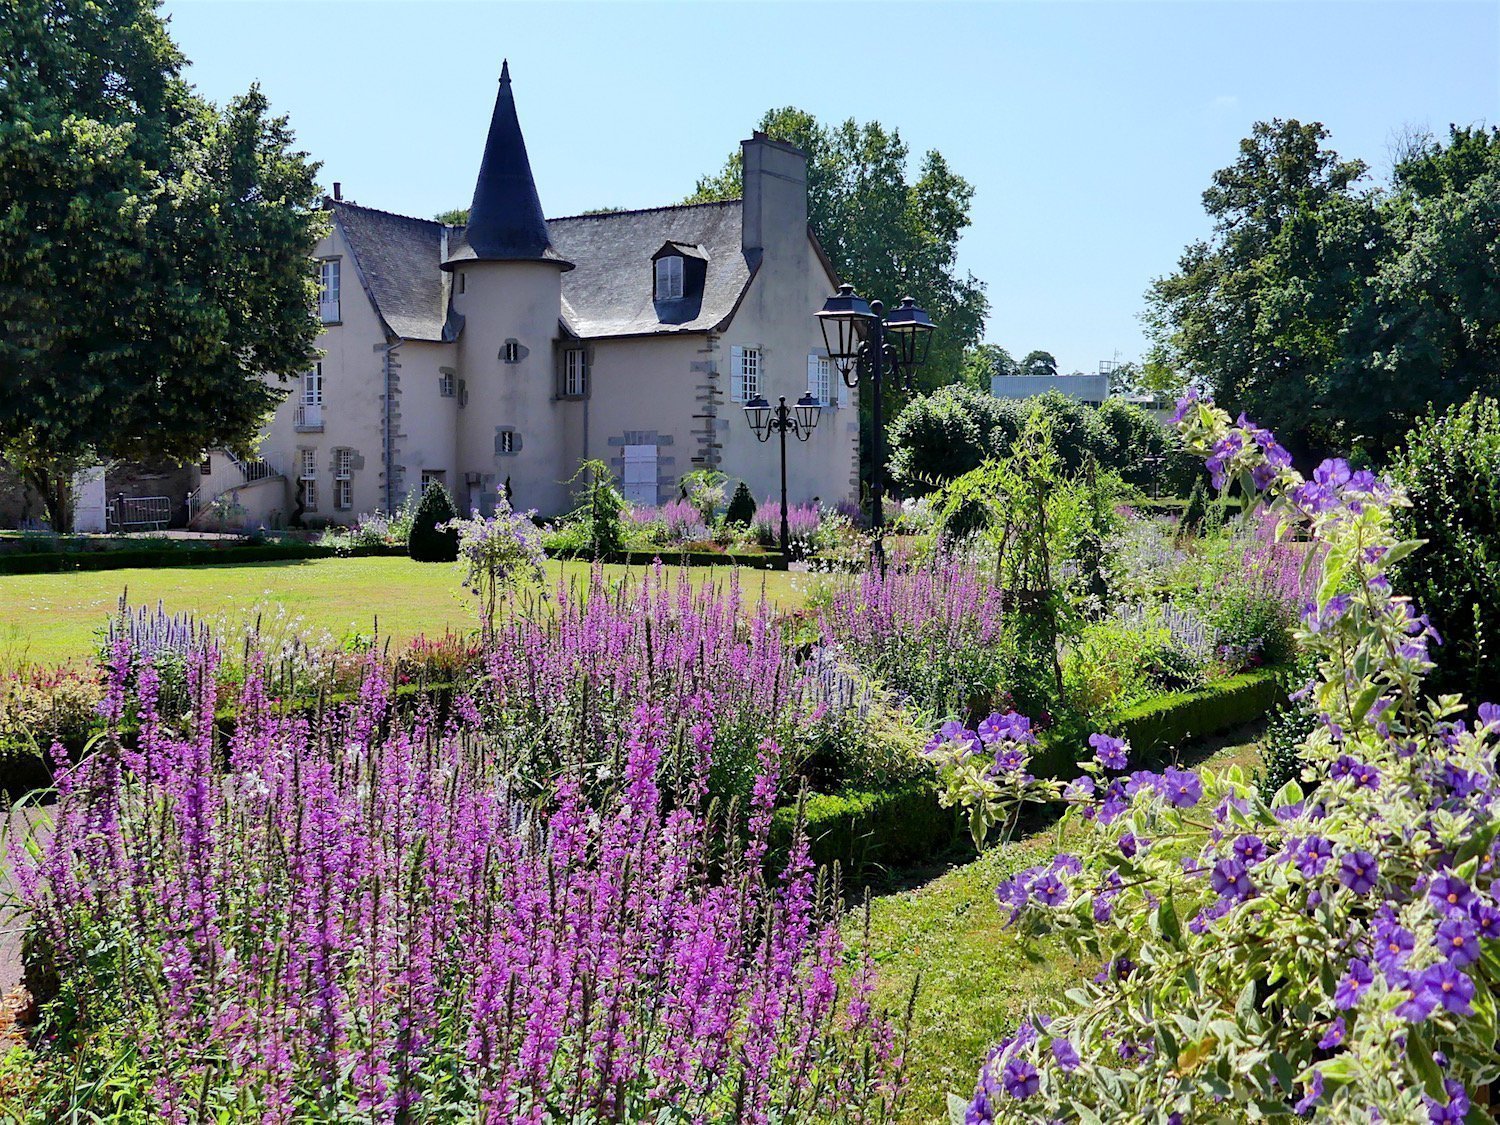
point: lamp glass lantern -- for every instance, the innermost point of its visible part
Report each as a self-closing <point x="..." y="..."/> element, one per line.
<point x="758" y="414"/>
<point x="846" y="319"/>
<point x="912" y="330"/>
<point x="807" y="410"/>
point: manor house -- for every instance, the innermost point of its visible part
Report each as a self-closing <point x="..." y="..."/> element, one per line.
<point x="504" y="352"/>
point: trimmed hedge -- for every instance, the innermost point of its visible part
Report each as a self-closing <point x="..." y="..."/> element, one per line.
<point x="773" y="561"/>
<point x="1162" y="724"/>
<point x="44" y="562"/>
<point x="860" y="828"/>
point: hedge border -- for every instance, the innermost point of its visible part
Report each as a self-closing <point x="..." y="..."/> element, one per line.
<point x="859" y="828"/>
<point x="49" y="562"/>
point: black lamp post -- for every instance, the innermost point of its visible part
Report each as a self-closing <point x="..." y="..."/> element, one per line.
<point x="782" y="419"/>
<point x="861" y="340"/>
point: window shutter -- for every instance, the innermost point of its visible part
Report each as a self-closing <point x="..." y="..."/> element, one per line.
<point x="736" y="374"/>
<point x="837" y="379"/>
<point x="812" y="377"/>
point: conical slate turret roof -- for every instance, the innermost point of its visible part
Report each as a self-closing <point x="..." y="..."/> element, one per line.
<point x="505" y="218"/>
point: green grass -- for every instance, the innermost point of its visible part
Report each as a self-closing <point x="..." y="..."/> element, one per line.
<point x="977" y="977"/>
<point x="50" y="618"/>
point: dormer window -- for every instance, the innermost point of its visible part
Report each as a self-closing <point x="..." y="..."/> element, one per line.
<point x="680" y="269"/>
<point x="669" y="278"/>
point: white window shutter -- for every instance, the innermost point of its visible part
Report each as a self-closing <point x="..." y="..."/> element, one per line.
<point x="736" y="374"/>
<point x="812" y="377"/>
<point x="837" y="379"/>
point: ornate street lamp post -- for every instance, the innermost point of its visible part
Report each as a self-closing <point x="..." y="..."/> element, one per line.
<point x="861" y="340"/>
<point x="800" y="420"/>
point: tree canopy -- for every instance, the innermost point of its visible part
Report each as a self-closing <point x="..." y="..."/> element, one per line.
<point x="889" y="233"/>
<point x="154" y="249"/>
<point x="1334" y="311"/>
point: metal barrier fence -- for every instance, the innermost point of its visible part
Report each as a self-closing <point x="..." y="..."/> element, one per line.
<point x="134" y="513"/>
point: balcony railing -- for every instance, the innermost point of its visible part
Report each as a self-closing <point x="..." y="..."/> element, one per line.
<point x="310" y="418"/>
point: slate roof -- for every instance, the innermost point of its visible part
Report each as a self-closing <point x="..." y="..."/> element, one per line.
<point x="397" y="259"/>
<point x="609" y="292"/>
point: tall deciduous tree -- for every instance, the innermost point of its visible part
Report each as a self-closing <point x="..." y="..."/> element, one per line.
<point x="1332" y="311"/>
<point x="155" y="250"/>
<point x="889" y="234"/>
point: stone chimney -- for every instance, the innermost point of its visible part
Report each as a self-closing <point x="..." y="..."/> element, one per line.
<point x="775" y="193"/>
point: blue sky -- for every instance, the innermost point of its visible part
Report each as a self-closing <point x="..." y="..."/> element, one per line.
<point x="1088" y="129"/>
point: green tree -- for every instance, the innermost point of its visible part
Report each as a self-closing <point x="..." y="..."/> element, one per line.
<point x="984" y="362"/>
<point x="432" y="539"/>
<point x="888" y="232"/>
<point x="453" y="217"/>
<point x="1332" y="312"/>
<point x="1039" y="363"/>
<point x="154" y="249"/>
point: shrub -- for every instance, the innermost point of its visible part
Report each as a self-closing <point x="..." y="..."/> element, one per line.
<point x="941" y="436"/>
<point x="600" y="514"/>
<point x="1269" y="955"/>
<point x="1196" y="512"/>
<point x="1290" y="726"/>
<point x="930" y="630"/>
<point x="1450" y="470"/>
<point x="741" y="508"/>
<point x="430" y="538"/>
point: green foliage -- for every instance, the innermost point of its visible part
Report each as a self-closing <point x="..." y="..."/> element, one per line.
<point x="984" y="362"/>
<point x="892" y="234"/>
<point x="1159" y="725"/>
<point x="939" y="437"/>
<point x="1450" y="468"/>
<point x="704" y="490"/>
<point x="426" y="543"/>
<point x="1196" y="512"/>
<point x="741" y="510"/>
<point x="860" y="829"/>
<point x="600" y="514"/>
<point x="453" y="217"/>
<point x="154" y="249"/>
<point x="1290" y="725"/>
<point x="1040" y="364"/>
<point x="1332" y="313"/>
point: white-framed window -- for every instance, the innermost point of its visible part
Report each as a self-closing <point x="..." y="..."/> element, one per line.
<point x="434" y="476"/>
<point x="343" y="479"/>
<point x="820" y="378"/>
<point x="308" y="474"/>
<point x="312" y="386"/>
<point x="744" y="373"/>
<point x="638" y="481"/>
<point x="328" y="290"/>
<point x="669" y="277"/>
<point x="445" y="384"/>
<point x="575" y="373"/>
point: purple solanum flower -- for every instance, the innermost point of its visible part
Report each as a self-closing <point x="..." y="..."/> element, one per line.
<point x="1457" y="939"/>
<point x="1450" y="892"/>
<point x="1334" y="1036"/>
<point x="1448" y="986"/>
<point x="1353" y="984"/>
<point x="1109" y="751"/>
<point x="1231" y="881"/>
<point x="1020" y="1079"/>
<point x="1359" y="871"/>
<point x="1180" y="788"/>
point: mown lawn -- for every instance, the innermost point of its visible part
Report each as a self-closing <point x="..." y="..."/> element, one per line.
<point x="977" y="977"/>
<point x="49" y="618"/>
